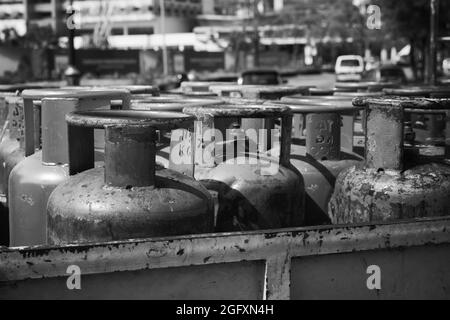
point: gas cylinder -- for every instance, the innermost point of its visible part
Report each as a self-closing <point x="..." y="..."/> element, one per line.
<point x="130" y="197"/>
<point x="318" y="155"/>
<point x="34" y="178"/>
<point x="252" y="192"/>
<point x="389" y="186"/>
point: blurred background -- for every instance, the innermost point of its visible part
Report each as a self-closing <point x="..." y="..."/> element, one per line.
<point x="164" y="42"/>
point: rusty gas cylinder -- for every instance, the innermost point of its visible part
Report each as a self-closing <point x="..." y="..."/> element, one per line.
<point x="387" y="187"/>
<point x="318" y="155"/>
<point x="34" y="178"/>
<point x="253" y="191"/>
<point x="130" y="197"/>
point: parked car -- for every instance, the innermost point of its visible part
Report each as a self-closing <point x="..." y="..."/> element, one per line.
<point x="386" y="73"/>
<point x="349" y="68"/>
<point x="261" y="77"/>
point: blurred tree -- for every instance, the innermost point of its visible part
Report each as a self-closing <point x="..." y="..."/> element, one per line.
<point x="410" y="19"/>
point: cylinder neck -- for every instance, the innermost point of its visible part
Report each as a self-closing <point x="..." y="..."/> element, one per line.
<point x="130" y="156"/>
<point x="384" y="142"/>
<point x="323" y="138"/>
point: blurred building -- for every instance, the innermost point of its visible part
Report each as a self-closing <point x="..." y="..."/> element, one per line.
<point x="12" y="18"/>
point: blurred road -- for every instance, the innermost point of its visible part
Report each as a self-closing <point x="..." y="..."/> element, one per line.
<point x="323" y="80"/>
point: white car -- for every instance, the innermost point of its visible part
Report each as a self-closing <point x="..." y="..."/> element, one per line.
<point x="349" y="68"/>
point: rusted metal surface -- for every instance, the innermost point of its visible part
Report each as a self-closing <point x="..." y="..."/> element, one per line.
<point x="130" y="197"/>
<point x="323" y="139"/>
<point x="372" y="195"/>
<point x="101" y="118"/>
<point x="130" y="155"/>
<point x="385" y="188"/>
<point x="114" y="265"/>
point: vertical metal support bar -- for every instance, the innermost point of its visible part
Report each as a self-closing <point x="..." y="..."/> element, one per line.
<point x="434" y="129"/>
<point x="447" y="136"/>
<point x="434" y="9"/>
<point x="81" y="149"/>
<point x="54" y="129"/>
<point x="29" y="128"/>
<point x="298" y="126"/>
<point x="277" y="278"/>
<point x="384" y="142"/>
<point x="285" y="148"/>
<point x="181" y="156"/>
<point x="348" y="122"/>
<point x="323" y="137"/>
<point x="203" y="155"/>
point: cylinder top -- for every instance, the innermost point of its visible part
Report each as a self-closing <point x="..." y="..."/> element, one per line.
<point x="417" y="91"/>
<point x="319" y="106"/>
<point x="364" y="85"/>
<point x="101" y="118"/>
<point x="202" y="86"/>
<point x="260" y="89"/>
<point x="244" y="111"/>
<point x="21" y="86"/>
<point x="403" y="102"/>
<point x="144" y="105"/>
<point x="74" y="93"/>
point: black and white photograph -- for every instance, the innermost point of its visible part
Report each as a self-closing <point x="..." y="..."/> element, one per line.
<point x="222" y="155"/>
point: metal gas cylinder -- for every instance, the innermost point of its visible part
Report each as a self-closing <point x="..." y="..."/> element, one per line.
<point x="253" y="192"/>
<point x="34" y="178"/>
<point x="130" y="197"/>
<point x="389" y="186"/>
<point x="318" y="155"/>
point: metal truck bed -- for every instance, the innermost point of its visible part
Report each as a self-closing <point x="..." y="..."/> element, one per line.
<point x="303" y="263"/>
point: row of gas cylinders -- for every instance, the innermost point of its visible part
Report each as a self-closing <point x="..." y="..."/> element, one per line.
<point x="83" y="164"/>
